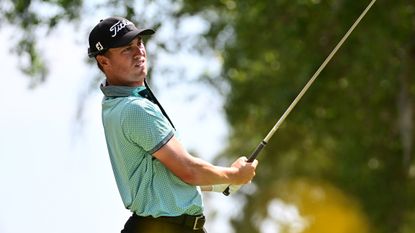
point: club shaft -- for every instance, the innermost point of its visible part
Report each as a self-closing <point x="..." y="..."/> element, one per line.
<point x="261" y="145"/>
<point x="316" y="74"/>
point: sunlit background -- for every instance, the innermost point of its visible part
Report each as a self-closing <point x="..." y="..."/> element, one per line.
<point x="224" y="71"/>
<point x="55" y="170"/>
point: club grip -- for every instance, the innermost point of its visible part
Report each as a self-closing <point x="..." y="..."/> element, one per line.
<point x="226" y="192"/>
<point x="256" y="152"/>
<point x="251" y="158"/>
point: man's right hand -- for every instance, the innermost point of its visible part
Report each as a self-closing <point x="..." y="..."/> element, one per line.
<point x="245" y="170"/>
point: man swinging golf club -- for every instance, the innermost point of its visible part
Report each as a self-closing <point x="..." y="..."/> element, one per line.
<point x="158" y="180"/>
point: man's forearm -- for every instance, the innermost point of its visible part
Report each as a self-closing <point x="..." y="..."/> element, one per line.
<point x="202" y="173"/>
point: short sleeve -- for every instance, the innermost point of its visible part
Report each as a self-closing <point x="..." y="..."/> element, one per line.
<point x="144" y="124"/>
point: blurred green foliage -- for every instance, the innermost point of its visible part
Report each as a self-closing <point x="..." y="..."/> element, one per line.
<point x="25" y="15"/>
<point x="354" y="129"/>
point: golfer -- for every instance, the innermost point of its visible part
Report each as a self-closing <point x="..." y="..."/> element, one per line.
<point x="158" y="180"/>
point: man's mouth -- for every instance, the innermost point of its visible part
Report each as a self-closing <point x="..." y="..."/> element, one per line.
<point x="140" y="62"/>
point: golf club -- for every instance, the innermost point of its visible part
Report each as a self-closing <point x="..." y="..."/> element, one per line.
<point x="306" y="87"/>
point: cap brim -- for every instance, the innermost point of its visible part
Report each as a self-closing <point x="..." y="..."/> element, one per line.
<point x="129" y="36"/>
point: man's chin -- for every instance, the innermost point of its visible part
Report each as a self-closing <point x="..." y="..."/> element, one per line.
<point x="141" y="72"/>
<point x="140" y="76"/>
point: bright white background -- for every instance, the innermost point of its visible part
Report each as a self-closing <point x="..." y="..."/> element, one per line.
<point x="55" y="174"/>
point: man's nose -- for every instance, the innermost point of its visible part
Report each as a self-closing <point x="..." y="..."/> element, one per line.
<point x="139" y="50"/>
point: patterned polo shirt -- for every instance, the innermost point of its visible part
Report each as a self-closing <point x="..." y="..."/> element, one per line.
<point x="134" y="129"/>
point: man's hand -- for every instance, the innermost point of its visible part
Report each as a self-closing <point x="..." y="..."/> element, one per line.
<point x="245" y="170"/>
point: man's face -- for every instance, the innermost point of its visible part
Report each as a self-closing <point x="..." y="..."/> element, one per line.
<point x="126" y="65"/>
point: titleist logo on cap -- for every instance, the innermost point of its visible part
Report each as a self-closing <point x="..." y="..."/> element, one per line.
<point x="118" y="26"/>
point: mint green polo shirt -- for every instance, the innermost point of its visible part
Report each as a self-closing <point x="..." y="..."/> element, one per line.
<point x="134" y="129"/>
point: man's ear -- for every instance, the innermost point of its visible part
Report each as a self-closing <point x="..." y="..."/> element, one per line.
<point x="102" y="60"/>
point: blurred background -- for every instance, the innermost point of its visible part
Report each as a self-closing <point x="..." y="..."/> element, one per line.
<point x="225" y="71"/>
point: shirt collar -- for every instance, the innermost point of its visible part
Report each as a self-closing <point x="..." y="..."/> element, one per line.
<point x="121" y="91"/>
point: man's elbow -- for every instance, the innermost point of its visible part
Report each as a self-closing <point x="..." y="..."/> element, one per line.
<point x="191" y="177"/>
